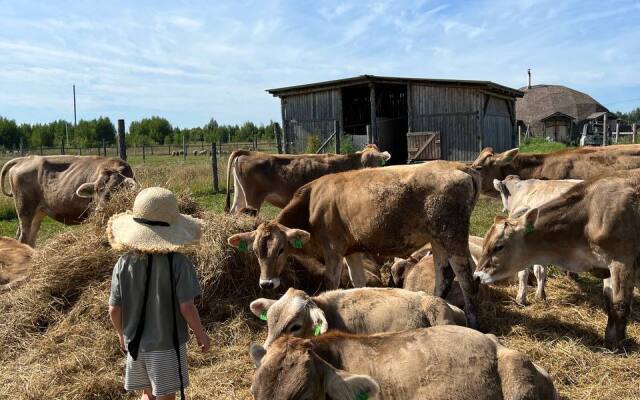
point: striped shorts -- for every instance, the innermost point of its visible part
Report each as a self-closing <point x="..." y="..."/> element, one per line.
<point x="157" y="370"/>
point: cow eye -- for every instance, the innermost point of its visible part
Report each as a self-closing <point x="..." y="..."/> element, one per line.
<point x="498" y="248"/>
<point x="295" y="328"/>
<point x="281" y="250"/>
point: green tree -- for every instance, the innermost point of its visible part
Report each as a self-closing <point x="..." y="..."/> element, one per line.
<point x="9" y="133"/>
<point x="105" y="130"/>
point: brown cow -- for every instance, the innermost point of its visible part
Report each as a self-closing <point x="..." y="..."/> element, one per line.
<point x="389" y="211"/>
<point x="580" y="163"/>
<point x="14" y="260"/>
<point x="260" y="177"/>
<point x="364" y="310"/>
<point x="594" y="224"/>
<point x="61" y="187"/>
<point x="441" y="362"/>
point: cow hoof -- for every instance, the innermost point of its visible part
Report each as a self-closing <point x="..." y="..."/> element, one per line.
<point x="522" y="301"/>
<point x="542" y="296"/>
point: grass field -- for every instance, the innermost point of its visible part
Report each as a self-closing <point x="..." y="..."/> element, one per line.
<point x="64" y="346"/>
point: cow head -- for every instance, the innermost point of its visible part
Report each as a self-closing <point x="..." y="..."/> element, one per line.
<point x="399" y="270"/>
<point x="505" y="250"/>
<point x="371" y="157"/>
<point x="111" y="178"/>
<point x="506" y="187"/>
<point x="290" y="369"/>
<point x="493" y="166"/>
<point x="294" y="314"/>
<point x="272" y="243"/>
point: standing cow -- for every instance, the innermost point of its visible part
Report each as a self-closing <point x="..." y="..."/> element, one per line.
<point x="581" y="163"/>
<point x="388" y="211"/>
<point x="260" y="177"/>
<point x="594" y="224"/>
<point x="61" y="187"/>
<point x="517" y="195"/>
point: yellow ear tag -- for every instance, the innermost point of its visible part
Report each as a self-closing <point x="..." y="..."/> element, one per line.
<point x="528" y="228"/>
<point x="317" y="330"/>
<point x="297" y="243"/>
<point x="243" y="245"/>
<point x="263" y="315"/>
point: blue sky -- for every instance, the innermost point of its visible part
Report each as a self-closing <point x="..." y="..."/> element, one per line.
<point x="190" y="61"/>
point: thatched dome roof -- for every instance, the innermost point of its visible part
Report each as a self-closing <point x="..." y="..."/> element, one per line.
<point x="540" y="101"/>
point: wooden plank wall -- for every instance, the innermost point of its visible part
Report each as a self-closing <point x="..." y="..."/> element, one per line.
<point x="452" y="111"/>
<point x="315" y="114"/>
<point x="497" y="127"/>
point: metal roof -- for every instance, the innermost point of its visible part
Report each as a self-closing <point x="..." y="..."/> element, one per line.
<point x="366" y="79"/>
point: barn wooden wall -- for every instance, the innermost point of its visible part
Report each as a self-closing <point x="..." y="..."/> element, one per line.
<point x="498" y="126"/>
<point x="315" y="114"/>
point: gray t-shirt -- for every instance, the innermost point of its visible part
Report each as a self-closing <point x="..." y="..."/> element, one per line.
<point x="127" y="291"/>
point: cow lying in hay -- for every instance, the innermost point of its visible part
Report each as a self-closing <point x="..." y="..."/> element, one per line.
<point x="517" y="194"/>
<point x="580" y="163"/>
<point x="388" y="211"/>
<point x="365" y="310"/>
<point x="442" y="362"/>
<point x="61" y="187"/>
<point x="594" y="224"/>
<point x="260" y="177"/>
<point x="14" y="260"/>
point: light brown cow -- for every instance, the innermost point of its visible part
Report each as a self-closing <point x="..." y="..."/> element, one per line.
<point x="365" y="310"/>
<point x="518" y="195"/>
<point x="61" y="187"/>
<point x="418" y="273"/>
<point x="594" y="224"/>
<point x="14" y="261"/>
<point x="389" y="211"/>
<point x="580" y="163"/>
<point x="442" y="362"/>
<point x="260" y="177"/>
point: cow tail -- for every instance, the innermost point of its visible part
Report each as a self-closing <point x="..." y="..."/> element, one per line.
<point x="5" y="169"/>
<point x="232" y="158"/>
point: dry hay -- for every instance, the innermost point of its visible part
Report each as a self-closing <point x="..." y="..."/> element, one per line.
<point x="58" y="343"/>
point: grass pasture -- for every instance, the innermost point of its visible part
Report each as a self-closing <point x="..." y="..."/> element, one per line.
<point x="57" y="341"/>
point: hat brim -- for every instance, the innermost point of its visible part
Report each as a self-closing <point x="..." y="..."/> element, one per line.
<point x="125" y="234"/>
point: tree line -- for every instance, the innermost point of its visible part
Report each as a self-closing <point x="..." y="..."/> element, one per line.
<point x="148" y="131"/>
<point x="631" y="116"/>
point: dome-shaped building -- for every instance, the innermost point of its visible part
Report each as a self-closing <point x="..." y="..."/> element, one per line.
<point x="555" y="111"/>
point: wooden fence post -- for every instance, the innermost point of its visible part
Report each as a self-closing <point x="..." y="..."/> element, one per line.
<point x="369" y="137"/>
<point x="604" y="129"/>
<point x="151" y="145"/>
<point x="214" y="167"/>
<point x="617" y="130"/>
<point x="278" y="139"/>
<point x="62" y="146"/>
<point x="41" y="149"/>
<point x="337" y="135"/>
<point x="21" y="147"/>
<point x="122" y="145"/>
<point x="519" y="134"/>
<point x="633" y="134"/>
<point x="144" y="158"/>
<point x="184" y="148"/>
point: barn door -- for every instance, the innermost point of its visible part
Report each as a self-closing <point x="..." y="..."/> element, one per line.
<point x="423" y="146"/>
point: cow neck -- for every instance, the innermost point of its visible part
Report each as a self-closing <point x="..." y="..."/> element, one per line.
<point x="329" y="347"/>
<point x="296" y="213"/>
<point x="525" y="166"/>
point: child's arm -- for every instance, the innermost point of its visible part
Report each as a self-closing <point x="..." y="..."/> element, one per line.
<point x="115" y="313"/>
<point x="190" y="314"/>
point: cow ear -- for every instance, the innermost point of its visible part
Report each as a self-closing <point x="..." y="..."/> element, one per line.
<point x="397" y="271"/>
<point x="341" y="385"/>
<point x="257" y="352"/>
<point x="242" y="241"/>
<point x="297" y="237"/>
<point x="506" y="157"/>
<point x="86" y="190"/>
<point x="530" y="219"/>
<point x="319" y="320"/>
<point x="260" y="306"/>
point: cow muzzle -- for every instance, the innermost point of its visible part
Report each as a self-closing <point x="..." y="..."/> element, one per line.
<point x="483" y="277"/>
<point x="269" y="284"/>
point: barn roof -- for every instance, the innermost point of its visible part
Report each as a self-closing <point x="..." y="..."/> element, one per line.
<point x="557" y="114"/>
<point x="365" y="79"/>
<point x="597" y="115"/>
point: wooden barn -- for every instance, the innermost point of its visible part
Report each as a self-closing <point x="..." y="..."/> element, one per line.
<point x="413" y="119"/>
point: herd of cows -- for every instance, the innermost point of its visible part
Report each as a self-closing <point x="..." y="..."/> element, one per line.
<point x="577" y="209"/>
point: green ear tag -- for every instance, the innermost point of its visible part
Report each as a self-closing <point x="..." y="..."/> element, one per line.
<point x="317" y="330"/>
<point x="263" y="315"/>
<point x="528" y="228"/>
<point x="243" y="245"/>
<point x="297" y="243"/>
<point x="382" y="162"/>
<point x="362" y="396"/>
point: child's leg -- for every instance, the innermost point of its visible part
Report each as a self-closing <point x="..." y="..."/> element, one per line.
<point x="147" y="395"/>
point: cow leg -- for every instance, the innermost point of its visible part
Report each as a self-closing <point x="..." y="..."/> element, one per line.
<point x="26" y="216"/>
<point x="523" y="279"/>
<point x="333" y="271"/>
<point x="462" y="266"/>
<point x="540" y="271"/>
<point x="443" y="271"/>
<point x="35" y="227"/>
<point x="356" y="270"/>
<point x="618" y="294"/>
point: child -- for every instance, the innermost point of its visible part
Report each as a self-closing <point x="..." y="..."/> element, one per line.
<point x="152" y="292"/>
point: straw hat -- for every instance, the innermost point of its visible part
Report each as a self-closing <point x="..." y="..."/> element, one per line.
<point x="155" y="224"/>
